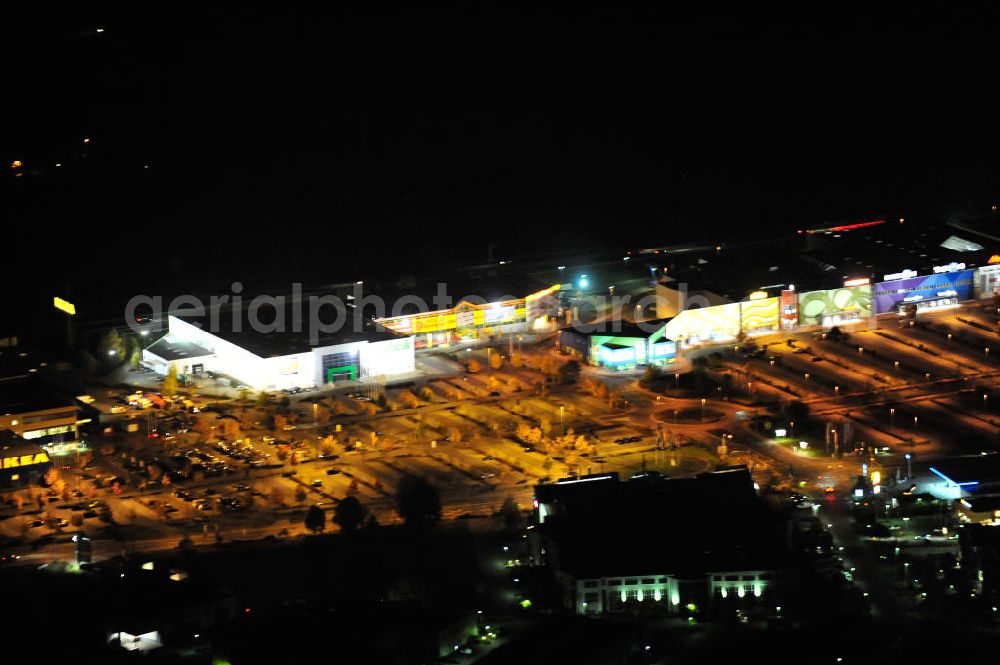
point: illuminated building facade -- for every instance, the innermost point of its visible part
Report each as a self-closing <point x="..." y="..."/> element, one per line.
<point x="281" y="361"/>
<point x="722" y="553"/>
<point x="627" y="349"/>
<point x="473" y="321"/>
<point x="39" y="415"/>
<point x="22" y="462"/>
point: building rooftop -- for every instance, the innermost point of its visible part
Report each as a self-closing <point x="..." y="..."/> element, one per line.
<point x="291" y="324"/>
<point x="12" y="445"/>
<point x="26" y="394"/>
<point x="649" y="524"/>
<point x="969" y="471"/>
<point x="171" y="348"/>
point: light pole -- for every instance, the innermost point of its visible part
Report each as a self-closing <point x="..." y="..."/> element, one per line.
<point x="561" y="431"/>
<point x="892" y="417"/>
<point x="702" y="409"/>
<point x="909" y="466"/>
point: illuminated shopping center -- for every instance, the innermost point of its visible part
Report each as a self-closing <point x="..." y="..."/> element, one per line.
<point x="473" y="320"/>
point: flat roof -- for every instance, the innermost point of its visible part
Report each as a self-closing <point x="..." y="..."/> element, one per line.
<point x="969" y="471"/>
<point x="171" y="348"/>
<point x="12" y="445"/>
<point x="651" y="525"/>
<point x="293" y="334"/>
<point x="26" y="394"/>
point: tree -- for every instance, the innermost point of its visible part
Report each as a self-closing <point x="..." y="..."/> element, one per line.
<point x="569" y="372"/>
<point x="511" y="515"/>
<point x="300" y="494"/>
<point x="797" y="410"/>
<point x="280" y="422"/>
<point x="170" y="383"/>
<point x="545" y="424"/>
<point x="185" y="544"/>
<point x="315" y="519"/>
<point x="496" y="361"/>
<point x="474" y="366"/>
<point x="263" y="399"/>
<point x="112" y="348"/>
<point x="417" y="502"/>
<point x="409" y="399"/>
<point x="349" y="514"/>
<point x="455" y="434"/>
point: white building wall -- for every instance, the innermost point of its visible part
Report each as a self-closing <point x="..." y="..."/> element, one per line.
<point x="392" y="356"/>
<point x="296" y="370"/>
<point x="230" y="359"/>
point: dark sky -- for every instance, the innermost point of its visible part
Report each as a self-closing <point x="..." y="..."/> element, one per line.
<point x="302" y="146"/>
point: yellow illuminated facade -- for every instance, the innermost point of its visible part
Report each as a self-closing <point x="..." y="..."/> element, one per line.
<point x="470" y="321"/>
<point x="759" y="315"/>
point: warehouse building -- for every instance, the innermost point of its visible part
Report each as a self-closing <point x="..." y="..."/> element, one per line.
<point x="280" y="360"/>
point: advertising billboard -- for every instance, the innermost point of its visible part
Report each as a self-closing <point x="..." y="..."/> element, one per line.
<point x="955" y="286"/>
<point x="759" y="315"/>
<point x="789" y="306"/>
<point x="834" y="307"/>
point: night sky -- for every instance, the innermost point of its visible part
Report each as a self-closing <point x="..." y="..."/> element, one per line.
<point x="270" y="148"/>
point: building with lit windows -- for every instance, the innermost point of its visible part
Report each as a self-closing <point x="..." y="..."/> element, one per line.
<point x="37" y="413"/>
<point x="699" y="547"/>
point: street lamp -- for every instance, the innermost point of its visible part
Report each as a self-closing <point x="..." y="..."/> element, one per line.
<point x="909" y="466"/>
<point x="702" y="409"/>
<point x="892" y="416"/>
<point x="914" y="422"/>
<point x="561" y="431"/>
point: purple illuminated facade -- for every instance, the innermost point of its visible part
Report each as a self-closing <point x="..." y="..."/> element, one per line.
<point x="956" y="286"/>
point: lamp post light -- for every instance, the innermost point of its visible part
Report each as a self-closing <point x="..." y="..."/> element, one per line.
<point x="892" y="417"/>
<point x="561" y="431"/>
<point x="914" y="422"/>
<point x="702" y="409"/>
<point x="909" y="466"/>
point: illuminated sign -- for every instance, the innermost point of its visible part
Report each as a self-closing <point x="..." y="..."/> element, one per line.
<point x="64" y="306"/>
<point x="858" y="281"/>
<point x="19" y="461"/>
<point x="465" y="319"/>
<point x="758" y="295"/>
<point x="497" y="314"/>
<point x="951" y="267"/>
<point x="994" y="259"/>
<point x="902" y="274"/>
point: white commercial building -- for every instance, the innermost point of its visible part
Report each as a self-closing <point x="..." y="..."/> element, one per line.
<point x="278" y="361"/>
